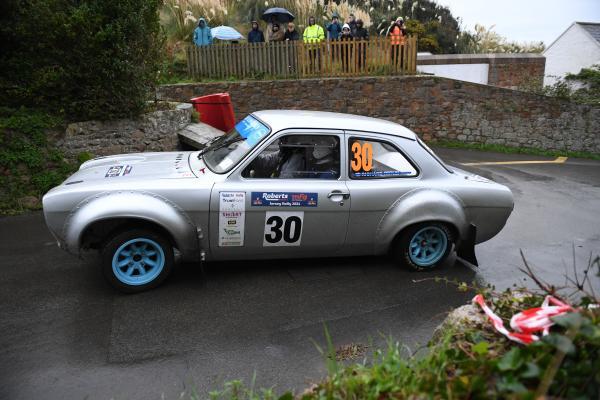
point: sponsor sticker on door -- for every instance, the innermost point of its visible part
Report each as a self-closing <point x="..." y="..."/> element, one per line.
<point x="232" y="207"/>
<point x="284" y="199"/>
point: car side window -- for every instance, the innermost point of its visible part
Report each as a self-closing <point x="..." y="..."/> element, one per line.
<point x="374" y="159"/>
<point x="297" y="157"/>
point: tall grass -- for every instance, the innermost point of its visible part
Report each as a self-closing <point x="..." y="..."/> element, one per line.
<point x="180" y="17"/>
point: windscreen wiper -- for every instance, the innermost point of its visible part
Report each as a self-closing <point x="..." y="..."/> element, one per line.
<point x="206" y="146"/>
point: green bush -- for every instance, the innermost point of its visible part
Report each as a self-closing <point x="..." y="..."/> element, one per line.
<point x="29" y="164"/>
<point x="90" y="59"/>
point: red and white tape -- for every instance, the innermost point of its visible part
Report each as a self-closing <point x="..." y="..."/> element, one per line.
<point x="527" y="322"/>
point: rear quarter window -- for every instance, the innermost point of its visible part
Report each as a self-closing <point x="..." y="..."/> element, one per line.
<point x="377" y="159"/>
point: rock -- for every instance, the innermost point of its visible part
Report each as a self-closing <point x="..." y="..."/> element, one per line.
<point x="461" y="319"/>
<point x="30" y="202"/>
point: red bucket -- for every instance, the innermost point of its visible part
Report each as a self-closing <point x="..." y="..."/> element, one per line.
<point x="215" y="110"/>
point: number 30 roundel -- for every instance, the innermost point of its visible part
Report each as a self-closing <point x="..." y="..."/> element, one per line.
<point x="283" y="228"/>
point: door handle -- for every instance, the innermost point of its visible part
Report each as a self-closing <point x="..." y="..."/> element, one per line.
<point x="344" y="195"/>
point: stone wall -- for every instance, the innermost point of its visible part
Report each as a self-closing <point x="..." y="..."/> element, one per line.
<point x="436" y="108"/>
<point x="155" y="131"/>
<point x="510" y="71"/>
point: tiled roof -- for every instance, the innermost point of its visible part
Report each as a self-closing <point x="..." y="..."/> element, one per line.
<point x="592" y="28"/>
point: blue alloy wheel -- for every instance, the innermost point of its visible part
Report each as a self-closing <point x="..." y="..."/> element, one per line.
<point x="138" y="261"/>
<point x="427" y="246"/>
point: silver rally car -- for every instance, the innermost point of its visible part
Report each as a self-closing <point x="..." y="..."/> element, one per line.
<point x="281" y="184"/>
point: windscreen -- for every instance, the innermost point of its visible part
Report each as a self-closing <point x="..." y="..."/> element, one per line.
<point x="226" y="152"/>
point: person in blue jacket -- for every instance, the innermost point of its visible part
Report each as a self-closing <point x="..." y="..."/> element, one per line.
<point x="202" y="35"/>
<point x="334" y="28"/>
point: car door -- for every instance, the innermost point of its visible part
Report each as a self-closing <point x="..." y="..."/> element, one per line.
<point x="293" y="211"/>
<point x="379" y="172"/>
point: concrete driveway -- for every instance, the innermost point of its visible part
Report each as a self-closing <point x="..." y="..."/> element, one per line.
<point x="66" y="334"/>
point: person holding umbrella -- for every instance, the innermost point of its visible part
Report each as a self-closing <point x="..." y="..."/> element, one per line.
<point x="277" y="34"/>
<point x="276" y="15"/>
<point x="255" y="35"/>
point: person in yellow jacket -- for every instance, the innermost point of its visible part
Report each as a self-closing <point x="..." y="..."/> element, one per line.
<point x="313" y="34"/>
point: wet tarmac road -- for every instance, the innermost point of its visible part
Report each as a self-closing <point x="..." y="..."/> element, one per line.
<point x="66" y="334"/>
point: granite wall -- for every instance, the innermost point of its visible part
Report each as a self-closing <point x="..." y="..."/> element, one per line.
<point x="436" y="108"/>
<point x="155" y="131"/>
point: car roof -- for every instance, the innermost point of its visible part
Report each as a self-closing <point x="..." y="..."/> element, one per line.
<point x="289" y="119"/>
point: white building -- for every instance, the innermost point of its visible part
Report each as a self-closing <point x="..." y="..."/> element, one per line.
<point x="576" y="48"/>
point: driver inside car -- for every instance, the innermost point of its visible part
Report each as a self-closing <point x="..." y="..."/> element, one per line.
<point x="299" y="157"/>
<point x="285" y="163"/>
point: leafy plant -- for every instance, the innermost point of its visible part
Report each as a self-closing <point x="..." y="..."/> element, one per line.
<point x="90" y="59"/>
<point x="29" y="164"/>
<point x="472" y="360"/>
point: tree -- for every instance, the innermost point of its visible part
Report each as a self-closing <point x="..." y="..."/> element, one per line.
<point x="486" y="40"/>
<point x="85" y="59"/>
<point x="435" y="26"/>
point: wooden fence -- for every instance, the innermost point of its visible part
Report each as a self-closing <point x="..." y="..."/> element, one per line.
<point x="297" y="59"/>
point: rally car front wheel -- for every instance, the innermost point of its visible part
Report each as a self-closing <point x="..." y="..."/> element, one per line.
<point x="136" y="260"/>
<point x="424" y="246"/>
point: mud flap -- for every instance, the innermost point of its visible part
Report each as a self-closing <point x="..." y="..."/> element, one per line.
<point x="466" y="250"/>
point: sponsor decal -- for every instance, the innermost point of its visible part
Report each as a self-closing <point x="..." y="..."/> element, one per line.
<point x="284" y="199"/>
<point x="118" y="170"/>
<point x="232" y="210"/>
<point x="251" y="130"/>
<point x="382" y="173"/>
<point x="203" y="170"/>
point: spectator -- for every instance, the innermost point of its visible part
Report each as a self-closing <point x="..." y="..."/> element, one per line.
<point x="255" y="35"/>
<point x="346" y="47"/>
<point x="362" y="34"/>
<point x="202" y="35"/>
<point x="391" y="26"/>
<point x="277" y="34"/>
<point x="291" y="33"/>
<point x="397" y="35"/>
<point x="313" y="34"/>
<point x="334" y="29"/>
<point x="352" y="23"/>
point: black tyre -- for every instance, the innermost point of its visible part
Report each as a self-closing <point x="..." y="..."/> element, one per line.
<point x="424" y="246"/>
<point x="136" y="260"/>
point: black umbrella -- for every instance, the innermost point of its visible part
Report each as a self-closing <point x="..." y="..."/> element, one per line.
<point x="277" y="14"/>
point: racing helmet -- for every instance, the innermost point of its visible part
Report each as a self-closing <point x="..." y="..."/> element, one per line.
<point x="323" y="149"/>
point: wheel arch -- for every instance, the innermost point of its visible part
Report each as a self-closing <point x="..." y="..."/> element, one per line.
<point x="98" y="232"/>
<point x="111" y="211"/>
<point x="418" y="206"/>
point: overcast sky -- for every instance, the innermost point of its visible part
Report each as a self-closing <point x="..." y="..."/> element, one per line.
<point x="525" y="20"/>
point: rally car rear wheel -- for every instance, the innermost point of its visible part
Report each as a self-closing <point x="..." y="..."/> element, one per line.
<point x="424" y="246"/>
<point x="136" y="260"/>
